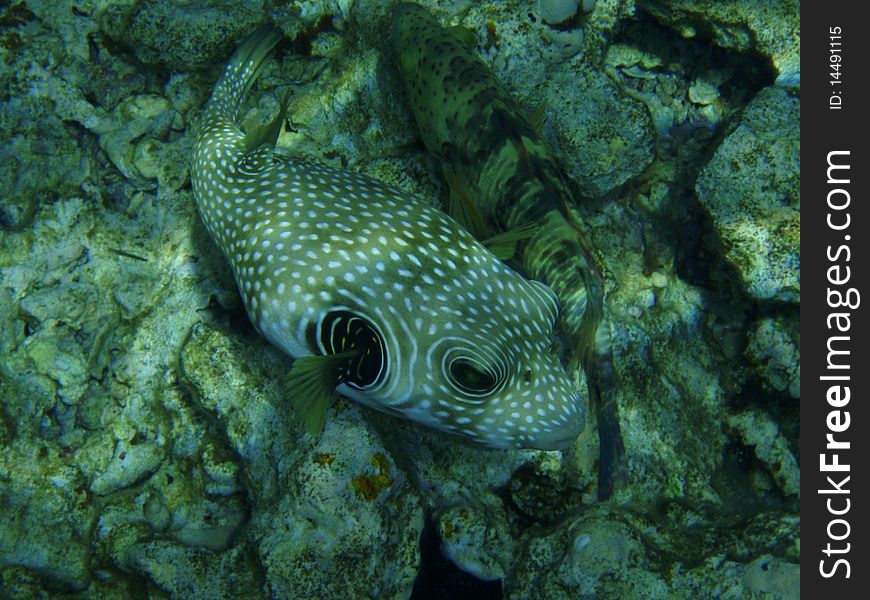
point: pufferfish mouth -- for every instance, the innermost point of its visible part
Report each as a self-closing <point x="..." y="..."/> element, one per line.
<point x="560" y="443"/>
<point x="563" y="437"/>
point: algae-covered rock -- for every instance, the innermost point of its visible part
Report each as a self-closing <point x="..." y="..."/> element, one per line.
<point x="46" y="516"/>
<point x="194" y="572"/>
<point x="130" y="464"/>
<point x="674" y="383"/>
<point x="769" y="28"/>
<point x="181" y="35"/>
<point x="606" y="134"/>
<point x="771" y="447"/>
<point x="617" y="553"/>
<point x="319" y="506"/>
<point x="477" y="540"/>
<point x="40" y="153"/>
<point x="603" y="136"/>
<point x="89" y="373"/>
<point x="765" y="577"/>
<point x="555" y="11"/>
<point x="774" y="350"/>
<point x="578" y="560"/>
<point x="751" y="189"/>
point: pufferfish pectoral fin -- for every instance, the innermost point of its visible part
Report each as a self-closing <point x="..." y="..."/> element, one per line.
<point x="504" y="245"/>
<point x="312" y="381"/>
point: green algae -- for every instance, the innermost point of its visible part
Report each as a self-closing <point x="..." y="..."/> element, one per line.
<point x="370" y="487"/>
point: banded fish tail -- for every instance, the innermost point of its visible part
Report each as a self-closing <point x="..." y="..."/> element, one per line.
<point x="559" y="257"/>
<point x="601" y="380"/>
<point x="596" y="355"/>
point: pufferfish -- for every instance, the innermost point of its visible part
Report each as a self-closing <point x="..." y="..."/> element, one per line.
<point x="375" y="293"/>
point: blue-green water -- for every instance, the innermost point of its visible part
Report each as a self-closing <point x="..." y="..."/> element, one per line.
<point x="148" y="443"/>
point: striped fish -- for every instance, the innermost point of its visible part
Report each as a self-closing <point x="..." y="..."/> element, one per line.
<point x="502" y="175"/>
<point x="376" y="293"/>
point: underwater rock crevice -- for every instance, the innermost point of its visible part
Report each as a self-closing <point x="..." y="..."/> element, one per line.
<point x="439" y="577"/>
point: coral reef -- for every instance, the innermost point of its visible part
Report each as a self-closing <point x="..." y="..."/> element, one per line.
<point x="147" y="445"/>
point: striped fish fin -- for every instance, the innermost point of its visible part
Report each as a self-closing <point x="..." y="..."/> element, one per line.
<point x="463" y="209"/>
<point x="504" y="245"/>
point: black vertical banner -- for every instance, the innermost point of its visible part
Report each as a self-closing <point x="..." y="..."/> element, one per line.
<point x="835" y="422"/>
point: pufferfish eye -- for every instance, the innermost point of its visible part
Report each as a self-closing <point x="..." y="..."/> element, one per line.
<point x="471" y="378"/>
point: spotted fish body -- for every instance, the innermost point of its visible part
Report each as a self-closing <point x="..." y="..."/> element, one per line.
<point x="327" y="260"/>
<point x="493" y="157"/>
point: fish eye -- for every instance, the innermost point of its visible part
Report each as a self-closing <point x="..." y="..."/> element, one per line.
<point x="470" y="378"/>
<point x="527" y="376"/>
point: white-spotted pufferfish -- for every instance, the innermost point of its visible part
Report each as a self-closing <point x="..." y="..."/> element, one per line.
<point x="376" y="293"/>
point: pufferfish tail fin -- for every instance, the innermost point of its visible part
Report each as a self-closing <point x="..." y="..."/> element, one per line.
<point x="245" y="66"/>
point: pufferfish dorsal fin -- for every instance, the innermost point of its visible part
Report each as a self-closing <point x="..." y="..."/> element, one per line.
<point x="266" y="135"/>
<point x="504" y="245"/>
<point x="312" y="381"/>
